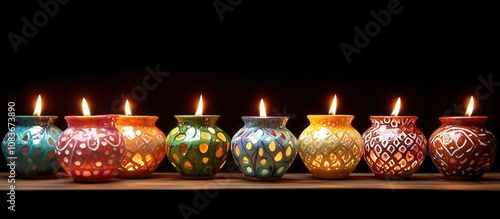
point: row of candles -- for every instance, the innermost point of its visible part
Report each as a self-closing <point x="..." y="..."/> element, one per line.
<point x="95" y="148"/>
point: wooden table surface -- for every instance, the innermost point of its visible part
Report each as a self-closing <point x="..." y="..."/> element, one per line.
<point x="173" y="181"/>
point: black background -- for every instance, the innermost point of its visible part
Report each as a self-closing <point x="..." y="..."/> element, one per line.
<point x="434" y="55"/>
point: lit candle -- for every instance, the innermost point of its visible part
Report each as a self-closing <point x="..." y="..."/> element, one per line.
<point x="91" y="148"/>
<point x="462" y="147"/>
<point x="145" y="144"/>
<point x="197" y="147"/>
<point x="30" y="144"/>
<point x="264" y="148"/>
<point x="394" y="146"/>
<point x="330" y="147"/>
<point x="85" y="108"/>
<point x="262" y="109"/>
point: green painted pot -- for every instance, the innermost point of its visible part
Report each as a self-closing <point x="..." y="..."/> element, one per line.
<point x="197" y="147"/>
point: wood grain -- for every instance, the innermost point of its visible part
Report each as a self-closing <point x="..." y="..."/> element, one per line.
<point x="173" y="181"/>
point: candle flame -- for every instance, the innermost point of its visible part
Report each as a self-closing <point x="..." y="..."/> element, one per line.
<point x="128" y="112"/>
<point x="38" y="107"/>
<point x="396" y="108"/>
<point x="200" y="107"/>
<point x="469" y="108"/>
<point x="262" y="108"/>
<point x="85" y="108"/>
<point x="333" y="107"/>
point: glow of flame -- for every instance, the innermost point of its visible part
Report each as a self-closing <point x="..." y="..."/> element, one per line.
<point x="333" y="107"/>
<point x="262" y="108"/>
<point x="128" y="112"/>
<point x="85" y="108"/>
<point x="38" y="107"/>
<point x="200" y="107"/>
<point x="396" y="108"/>
<point x="469" y="108"/>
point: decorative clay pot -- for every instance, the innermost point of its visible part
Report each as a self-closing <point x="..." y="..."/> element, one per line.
<point x="462" y="148"/>
<point x="145" y="145"/>
<point x="264" y="148"/>
<point x="394" y="147"/>
<point x="330" y="147"/>
<point x="197" y="147"/>
<point x="91" y="148"/>
<point x="29" y="146"/>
